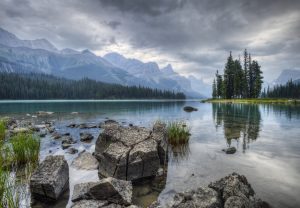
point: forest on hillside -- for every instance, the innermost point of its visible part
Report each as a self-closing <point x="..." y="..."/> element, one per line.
<point x="41" y="86"/>
<point x="238" y="81"/>
<point x="290" y="90"/>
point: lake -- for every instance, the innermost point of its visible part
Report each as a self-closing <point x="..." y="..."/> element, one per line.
<point x="267" y="138"/>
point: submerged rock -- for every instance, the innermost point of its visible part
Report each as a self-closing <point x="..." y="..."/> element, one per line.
<point x="72" y="151"/>
<point x="50" y="179"/>
<point x="230" y="150"/>
<point x="85" y="161"/>
<point x="128" y="153"/>
<point x="189" y="109"/>
<point x="67" y="142"/>
<point x="86" y="137"/>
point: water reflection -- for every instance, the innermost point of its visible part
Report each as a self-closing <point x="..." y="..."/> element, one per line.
<point x="289" y="111"/>
<point x="239" y="122"/>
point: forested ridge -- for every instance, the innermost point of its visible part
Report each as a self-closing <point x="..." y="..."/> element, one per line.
<point x="238" y="81"/>
<point x="290" y="90"/>
<point x="42" y="86"/>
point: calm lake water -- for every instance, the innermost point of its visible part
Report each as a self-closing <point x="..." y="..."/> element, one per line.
<point x="267" y="138"/>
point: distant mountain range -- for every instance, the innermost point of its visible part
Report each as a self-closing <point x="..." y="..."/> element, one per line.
<point x="41" y="56"/>
<point x="287" y="75"/>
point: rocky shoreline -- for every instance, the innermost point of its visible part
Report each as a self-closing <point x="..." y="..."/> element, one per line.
<point x="124" y="155"/>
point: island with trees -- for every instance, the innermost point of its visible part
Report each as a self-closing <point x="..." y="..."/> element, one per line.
<point x="242" y="82"/>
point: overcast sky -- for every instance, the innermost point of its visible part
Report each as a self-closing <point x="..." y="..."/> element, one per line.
<point x="194" y="36"/>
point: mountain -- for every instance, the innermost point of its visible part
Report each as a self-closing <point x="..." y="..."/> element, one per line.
<point x="152" y="75"/>
<point x="287" y="75"/>
<point x="9" y="39"/>
<point x="40" y="56"/>
<point x="72" y="66"/>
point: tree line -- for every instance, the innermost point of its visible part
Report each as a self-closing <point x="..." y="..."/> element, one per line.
<point x="290" y="90"/>
<point x="238" y="81"/>
<point x="41" y="86"/>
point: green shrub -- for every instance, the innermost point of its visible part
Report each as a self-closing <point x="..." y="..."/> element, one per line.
<point x="178" y="133"/>
<point x="25" y="149"/>
<point x="2" y="130"/>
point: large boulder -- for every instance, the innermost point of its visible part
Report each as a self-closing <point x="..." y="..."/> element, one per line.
<point x="129" y="153"/>
<point x="232" y="191"/>
<point x="50" y="179"/>
<point x="233" y="185"/>
<point x="108" y="189"/>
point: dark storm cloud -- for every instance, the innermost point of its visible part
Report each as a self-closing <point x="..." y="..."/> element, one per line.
<point x="197" y="34"/>
<point x="142" y="7"/>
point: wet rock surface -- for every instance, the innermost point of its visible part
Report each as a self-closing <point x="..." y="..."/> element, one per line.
<point x="85" y="161"/>
<point x="129" y="153"/>
<point x="232" y="191"/>
<point x="189" y="109"/>
<point x="230" y="150"/>
<point x="108" y="191"/>
<point x="50" y="179"/>
<point x="86" y="137"/>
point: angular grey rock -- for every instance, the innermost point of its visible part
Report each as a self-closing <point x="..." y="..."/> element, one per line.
<point x="86" y="137"/>
<point x="143" y="160"/>
<point x="159" y="134"/>
<point x="237" y="202"/>
<point x="50" y="179"/>
<point x="128" y="153"/>
<point x="81" y="191"/>
<point x="233" y="185"/>
<point x="85" y="161"/>
<point x="113" y="161"/>
<point x="112" y="190"/>
<point x="201" y="198"/>
<point x="90" y="204"/>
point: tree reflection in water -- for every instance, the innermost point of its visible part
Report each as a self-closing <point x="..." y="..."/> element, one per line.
<point x="239" y="121"/>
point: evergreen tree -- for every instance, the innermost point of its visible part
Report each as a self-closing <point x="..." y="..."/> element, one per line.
<point x="219" y="85"/>
<point x="246" y="75"/>
<point x="214" y="89"/>
<point x="239" y="82"/>
<point x="229" y="78"/>
<point x="41" y="86"/>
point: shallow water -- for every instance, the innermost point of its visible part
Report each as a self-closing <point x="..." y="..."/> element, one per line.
<point x="267" y="138"/>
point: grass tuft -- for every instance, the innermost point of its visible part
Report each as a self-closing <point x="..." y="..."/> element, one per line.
<point x="178" y="133"/>
<point x="2" y="130"/>
<point x="25" y="148"/>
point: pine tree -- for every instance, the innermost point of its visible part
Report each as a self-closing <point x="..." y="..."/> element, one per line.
<point x="214" y="89"/>
<point x="229" y="78"/>
<point x="246" y="75"/>
<point x="220" y="87"/>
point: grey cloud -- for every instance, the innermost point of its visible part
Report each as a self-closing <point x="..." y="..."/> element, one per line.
<point x="113" y="24"/>
<point x="198" y="33"/>
<point x="152" y="7"/>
